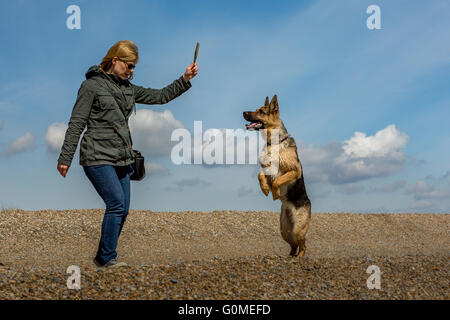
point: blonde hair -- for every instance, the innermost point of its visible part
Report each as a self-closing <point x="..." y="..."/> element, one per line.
<point x="125" y="50"/>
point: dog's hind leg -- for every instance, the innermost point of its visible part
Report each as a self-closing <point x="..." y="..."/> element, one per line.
<point x="294" y="250"/>
<point x="303" y="216"/>
<point x="302" y="246"/>
<point x="287" y="228"/>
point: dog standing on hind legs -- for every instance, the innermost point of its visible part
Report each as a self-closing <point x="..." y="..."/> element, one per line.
<point x="286" y="183"/>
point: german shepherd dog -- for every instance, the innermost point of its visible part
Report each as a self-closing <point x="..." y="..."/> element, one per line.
<point x="287" y="182"/>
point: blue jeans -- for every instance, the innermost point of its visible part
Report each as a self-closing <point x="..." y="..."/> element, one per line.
<point x="112" y="183"/>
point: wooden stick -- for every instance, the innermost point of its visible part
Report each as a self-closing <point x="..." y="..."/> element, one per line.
<point x="196" y="51"/>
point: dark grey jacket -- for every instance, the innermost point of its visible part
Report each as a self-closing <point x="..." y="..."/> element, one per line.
<point x="107" y="139"/>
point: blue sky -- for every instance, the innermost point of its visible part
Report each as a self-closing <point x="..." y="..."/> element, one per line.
<point x="367" y="108"/>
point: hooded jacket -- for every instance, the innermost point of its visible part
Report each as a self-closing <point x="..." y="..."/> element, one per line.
<point x="107" y="138"/>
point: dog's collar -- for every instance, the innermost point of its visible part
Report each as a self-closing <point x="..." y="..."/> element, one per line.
<point x="282" y="140"/>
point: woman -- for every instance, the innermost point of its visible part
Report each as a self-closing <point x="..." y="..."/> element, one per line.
<point x="104" y="104"/>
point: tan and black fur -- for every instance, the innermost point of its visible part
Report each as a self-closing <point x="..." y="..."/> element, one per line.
<point x="287" y="184"/>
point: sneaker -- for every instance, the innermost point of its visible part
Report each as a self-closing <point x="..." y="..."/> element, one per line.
<point x="111" y="263"/>
<point x="98" y="264"/>
<point x="114" y="263"/>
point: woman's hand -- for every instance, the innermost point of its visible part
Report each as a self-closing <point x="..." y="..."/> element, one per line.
<point x="191" y="71"/>
<point x="62" y="168"/>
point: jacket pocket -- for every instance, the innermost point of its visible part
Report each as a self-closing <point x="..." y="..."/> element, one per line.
<point x="106" y="101"/>
<point x="107" y="146"/>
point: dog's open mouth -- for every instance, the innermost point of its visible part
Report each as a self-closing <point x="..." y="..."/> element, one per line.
<point x="254" y="125"/>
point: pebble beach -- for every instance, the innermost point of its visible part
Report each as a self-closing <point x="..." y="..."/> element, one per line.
<point x="224" y="255"/>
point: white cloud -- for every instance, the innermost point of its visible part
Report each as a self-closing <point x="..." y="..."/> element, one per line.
<point x="55" y="136"/>
<point x="151" y="131"/>
<point x="359" y="158"/>
<point x="365" y="157"/>
<point x="386" y="143"/>
<point x="22" y="144"/>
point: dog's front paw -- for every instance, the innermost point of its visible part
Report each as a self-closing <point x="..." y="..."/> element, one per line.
<point x="276" y="193"/>
<point x="265" y="189"/>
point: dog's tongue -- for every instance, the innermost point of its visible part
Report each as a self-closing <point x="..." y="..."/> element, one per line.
<point x="251" y="125"/>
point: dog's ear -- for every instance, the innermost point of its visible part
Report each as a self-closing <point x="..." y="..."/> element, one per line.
<point x="274" y="104"/>
<point x="266" y="103"/>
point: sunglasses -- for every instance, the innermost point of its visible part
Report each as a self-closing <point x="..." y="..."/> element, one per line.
<point x="129" y="65"/>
